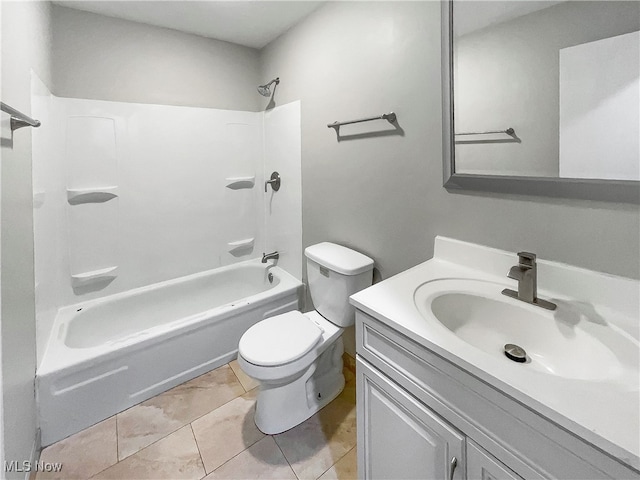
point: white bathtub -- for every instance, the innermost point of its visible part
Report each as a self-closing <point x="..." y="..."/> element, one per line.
<point x="108" y="354"/>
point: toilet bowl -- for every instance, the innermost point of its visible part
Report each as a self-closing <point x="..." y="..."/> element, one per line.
<point x="297" y="357"/>
<point x="293" y="390"/>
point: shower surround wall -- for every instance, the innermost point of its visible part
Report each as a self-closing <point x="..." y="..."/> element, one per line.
<point x="128" y="195"/>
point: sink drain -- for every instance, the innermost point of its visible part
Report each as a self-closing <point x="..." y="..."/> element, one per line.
<point x="515" y="353"/>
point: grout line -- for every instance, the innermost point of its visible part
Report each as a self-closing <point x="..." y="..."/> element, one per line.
<point x="195" y="439"/>
<point x="152" y="443"/>
<point x="285" y="457"/>
<point x="189" y="423"/>
<point x="334" y="463"/>
<point x="325" y="471"/>
<point x="156" y="441"/>
<point x="117" y="459"/>
<point x="329" y="468"/>
<point x="117" y="441"/>
<point x="237" y="377"/>
<point x="247" y="448"/>
<point x="182" y="426"/>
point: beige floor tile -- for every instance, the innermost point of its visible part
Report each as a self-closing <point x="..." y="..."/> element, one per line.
<point x="83" y="454"/>
<point x="317" y="444"/>
<point x="174" y="457"/>
<point x="349" y="376"/>
<point x="345" y="469"/>
<point x="247" y="382"/>
<point x="349" y="362"/>
<point x="227" y="431"/>
<point x="349" y="392"/>
<point x="157" y="417"/>
<point x="261" y="461"/>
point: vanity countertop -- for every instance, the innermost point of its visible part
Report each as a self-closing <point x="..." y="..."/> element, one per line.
<point x="603" y="412"/>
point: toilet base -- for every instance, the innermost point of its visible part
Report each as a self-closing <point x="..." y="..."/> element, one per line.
<point x="282" y="407"/>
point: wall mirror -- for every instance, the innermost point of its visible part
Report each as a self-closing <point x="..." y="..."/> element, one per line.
<point x="542" y="97"/>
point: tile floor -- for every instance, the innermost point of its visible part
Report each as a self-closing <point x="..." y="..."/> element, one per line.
<point x="204" y="429"/>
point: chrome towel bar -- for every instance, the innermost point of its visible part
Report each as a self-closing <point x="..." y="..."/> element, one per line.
<point x="18" y="119"/>
<point x="508" y="131"/>
<point x="390" y="117"/>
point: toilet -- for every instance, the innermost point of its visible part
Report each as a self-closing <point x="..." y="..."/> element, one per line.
<point x="297" y="357"/>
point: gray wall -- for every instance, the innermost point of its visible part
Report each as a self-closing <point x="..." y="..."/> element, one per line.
<point x="106" y="58"/>
<point x="508" y="76"/>
<point x="383" y="195"/>
<point x="26" y="38"/>
<point x="380" y="194"/>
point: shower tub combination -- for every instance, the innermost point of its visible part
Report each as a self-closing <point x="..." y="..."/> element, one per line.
<point x="109" y="354"/>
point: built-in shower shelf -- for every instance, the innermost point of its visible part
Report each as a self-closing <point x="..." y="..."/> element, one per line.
<point x="81" y="279"/>
<point x="76" y="196"/>
<point x="241" y="247"/>
<point x="237" y="183"/>
<point x="38" y="199"/>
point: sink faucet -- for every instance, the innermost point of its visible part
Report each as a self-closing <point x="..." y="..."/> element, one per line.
<point x="270" y="256"/>
<point x="526" y="273"/>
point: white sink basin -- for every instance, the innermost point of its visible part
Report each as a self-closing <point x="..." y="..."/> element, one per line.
<point x="582" y="368"/>
<point x="573" y="341"/>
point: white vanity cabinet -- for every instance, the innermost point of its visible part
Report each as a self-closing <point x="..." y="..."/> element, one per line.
<point x="419" y="414"/>
<point x="402" y="437"/>
<point x="482" y="466"/>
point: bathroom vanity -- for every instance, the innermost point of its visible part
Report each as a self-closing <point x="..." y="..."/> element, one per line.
<point x="439" y="399"/>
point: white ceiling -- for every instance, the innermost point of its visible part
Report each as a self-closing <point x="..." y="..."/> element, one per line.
<point x="253" y="23"/>
<point x="469" y="16"/>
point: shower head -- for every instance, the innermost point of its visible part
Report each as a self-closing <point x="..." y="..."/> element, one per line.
<point x="265" y="90"/>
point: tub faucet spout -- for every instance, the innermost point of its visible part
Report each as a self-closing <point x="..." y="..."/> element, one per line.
<point x="270" y="256"/>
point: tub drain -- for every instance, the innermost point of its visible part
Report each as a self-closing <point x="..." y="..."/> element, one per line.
<point x="515" y="353"/>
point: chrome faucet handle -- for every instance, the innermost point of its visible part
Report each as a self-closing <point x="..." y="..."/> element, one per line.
<point x="526" y="273"/>
<point x="526" y="259"/>
<point x="274" y="181"/>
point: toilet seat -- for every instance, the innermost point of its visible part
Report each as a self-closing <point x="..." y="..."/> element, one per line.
<point x="279" y="340"/>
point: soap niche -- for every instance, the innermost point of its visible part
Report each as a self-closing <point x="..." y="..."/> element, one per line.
<point x="92" y="245"/>
<point x="92" y="196"/>
<point x="241" y="248"/>
<point x="240" y="183"/>
<point x="77" y="196"/>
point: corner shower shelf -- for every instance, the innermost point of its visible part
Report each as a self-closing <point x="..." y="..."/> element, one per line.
<point x="241" y="247"/>
<point x="237" y="183"/>
<point x="85" y="278"/>
<point x="76" y="196"/>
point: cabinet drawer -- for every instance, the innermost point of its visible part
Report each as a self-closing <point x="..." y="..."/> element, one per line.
<point x="526" y="442"/>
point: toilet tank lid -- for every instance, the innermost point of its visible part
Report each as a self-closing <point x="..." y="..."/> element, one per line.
<point x="338" y="258"/>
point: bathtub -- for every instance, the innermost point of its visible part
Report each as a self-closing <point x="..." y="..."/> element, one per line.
<point x="109" y="354"/>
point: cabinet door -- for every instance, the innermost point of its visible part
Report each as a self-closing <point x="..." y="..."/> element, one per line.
<point x="399" y="437"/>
<point x="484" y="466"/>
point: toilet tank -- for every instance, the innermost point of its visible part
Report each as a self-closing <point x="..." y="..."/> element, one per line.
<point x="334" y="274"/>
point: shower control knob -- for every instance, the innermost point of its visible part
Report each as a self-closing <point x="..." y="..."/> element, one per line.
<point x="274" y="182"/>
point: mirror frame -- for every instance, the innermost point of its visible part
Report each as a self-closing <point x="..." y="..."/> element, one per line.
<point x="621" y="191"/>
